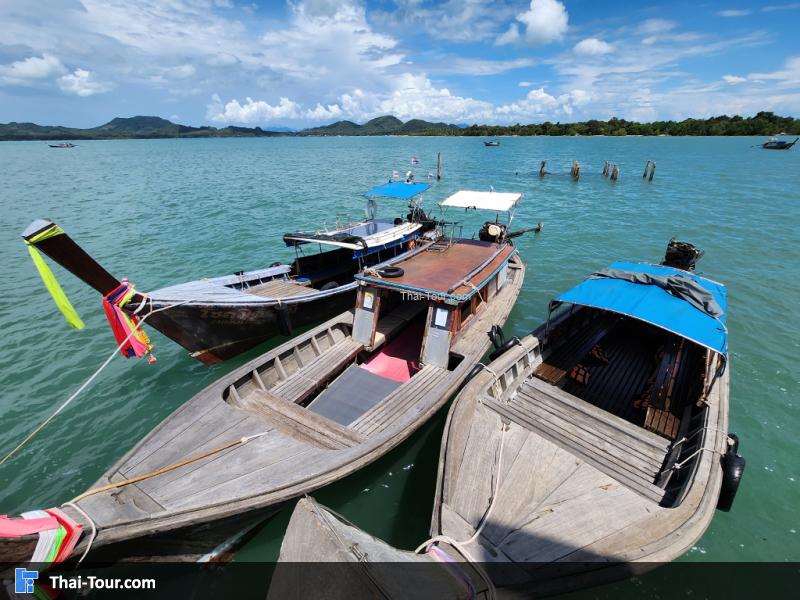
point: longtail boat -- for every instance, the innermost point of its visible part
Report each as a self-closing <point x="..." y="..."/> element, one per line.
<point x="596" y="448"/>
<point x="302" y="415"/>
<point x="217" y="318"/>
<point x="776" y="144"/>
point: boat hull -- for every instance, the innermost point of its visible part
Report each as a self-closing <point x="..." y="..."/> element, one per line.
<point x="213" y="333"/>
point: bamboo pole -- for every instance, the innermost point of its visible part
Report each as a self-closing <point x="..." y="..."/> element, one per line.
<point x="543" y="169"/>
<point x="615" y="173"/>
<point x="438" y="166"/>
<point x="606" y="166"/>
<point x="646" y="169"/>
<point x="652" y="171"/>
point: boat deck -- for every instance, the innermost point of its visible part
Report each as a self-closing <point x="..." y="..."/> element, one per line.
<point x="278" y="288"/>
<point x="443" y="272"/>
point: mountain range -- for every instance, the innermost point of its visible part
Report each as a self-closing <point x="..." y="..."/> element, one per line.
<point x="156" y="127"/>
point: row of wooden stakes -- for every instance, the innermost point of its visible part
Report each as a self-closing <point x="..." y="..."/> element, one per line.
<point x="609" y="170"/>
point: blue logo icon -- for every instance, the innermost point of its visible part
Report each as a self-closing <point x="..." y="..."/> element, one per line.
<point x="23" y="580"/>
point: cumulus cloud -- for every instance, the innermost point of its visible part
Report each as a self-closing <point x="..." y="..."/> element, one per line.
<point x="733" y="79"/>
<point x="30" y="70"/>
<point x="593" y="47"/>
<point x="252" y="111"/>
<point x="82" y="83"/>
<point x="544" y="22"/>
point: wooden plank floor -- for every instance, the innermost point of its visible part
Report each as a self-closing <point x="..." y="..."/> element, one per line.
<point x="616" y="386"/>
<point x="278" y="288"/>
<point x="548" y="504"/>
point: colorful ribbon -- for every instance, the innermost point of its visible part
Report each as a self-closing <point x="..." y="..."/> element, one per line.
<point x="59" y="297"/>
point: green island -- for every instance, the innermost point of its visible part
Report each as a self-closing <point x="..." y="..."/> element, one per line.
<point x="142" y="127"/>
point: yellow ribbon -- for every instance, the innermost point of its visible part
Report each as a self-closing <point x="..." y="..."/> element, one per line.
<point x="59" y="297"/>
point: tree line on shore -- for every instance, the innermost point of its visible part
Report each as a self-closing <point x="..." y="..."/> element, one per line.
<point x="763" y="123"/>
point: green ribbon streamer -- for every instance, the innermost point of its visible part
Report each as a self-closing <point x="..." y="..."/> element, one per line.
<point x="59" y="297"/>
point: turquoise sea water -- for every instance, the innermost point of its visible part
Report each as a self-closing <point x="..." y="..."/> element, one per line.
<point x="166" y="211"/>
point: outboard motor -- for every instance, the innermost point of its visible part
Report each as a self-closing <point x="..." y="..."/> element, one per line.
<point x="682" y="255"/>
<point x="492" y="232"/>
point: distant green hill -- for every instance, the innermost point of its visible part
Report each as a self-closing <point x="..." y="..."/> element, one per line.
<point x="126" y="128"/>
<point x="387" y="125"/>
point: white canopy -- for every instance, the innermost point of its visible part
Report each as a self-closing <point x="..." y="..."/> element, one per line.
<point x="500" y="201"/>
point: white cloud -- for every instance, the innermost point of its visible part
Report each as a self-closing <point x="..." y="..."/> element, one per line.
<point x="82" y="83"/>
<point x="30" y="70"/>
<point x="593" y="47"/>
<point x="733" y="79"/>
<point x="544" y="22"/>
<point x="525" y="84"/>
<point x="734" y="13"/>
<point x="252" y="111"/>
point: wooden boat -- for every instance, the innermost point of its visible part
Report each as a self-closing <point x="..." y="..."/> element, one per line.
<point x="304" y="414"/>
<point x="492" y="143"/>
<point x="595" y="448"/>
<point x="62" y="145"/>
<point x="220" y="317"/>
<point x="776" y="144"/>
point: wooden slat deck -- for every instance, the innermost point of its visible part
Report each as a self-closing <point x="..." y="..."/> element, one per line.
<point x="279" y="288"/>
<point x="302" y="383"/>
<point x="549" y="500"/>
<point x="630" y="454"/>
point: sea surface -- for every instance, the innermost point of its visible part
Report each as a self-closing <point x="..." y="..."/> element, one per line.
<point x="161" y="212"/>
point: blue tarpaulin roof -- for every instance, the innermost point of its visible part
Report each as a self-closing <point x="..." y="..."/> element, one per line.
<point x="653" y="304"/>
<point x="398" y="189"/>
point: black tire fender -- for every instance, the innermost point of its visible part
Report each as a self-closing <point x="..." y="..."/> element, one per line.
<point x="733" y="465"/>
<point x="391" y="272"/>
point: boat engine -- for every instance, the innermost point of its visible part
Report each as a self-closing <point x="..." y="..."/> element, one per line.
<point x="492" y="232"/>
<point x="682" y="255"/>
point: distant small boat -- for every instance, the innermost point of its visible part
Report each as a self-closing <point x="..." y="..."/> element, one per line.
<point x="776" y="144"/>
<point x="62" y="145"/>
<point x="492" y="143"/>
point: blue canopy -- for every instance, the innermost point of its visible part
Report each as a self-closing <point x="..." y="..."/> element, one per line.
<point x="398" y="189"/>
<point x="655" y="305"/>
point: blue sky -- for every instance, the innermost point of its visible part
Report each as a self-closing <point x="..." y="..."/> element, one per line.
<point x="309" y="62"/>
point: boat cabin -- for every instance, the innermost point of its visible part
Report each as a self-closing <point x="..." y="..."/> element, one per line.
<point x="406" y="321"/>
<point x="352" y="245"/>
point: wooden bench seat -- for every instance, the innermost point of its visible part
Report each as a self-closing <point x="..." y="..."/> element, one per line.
<point x="663" y="400"/>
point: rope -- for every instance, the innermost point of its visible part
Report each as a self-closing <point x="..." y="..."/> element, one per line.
<point x="459" y="545"/>
<point x="92" y="536"/>
<point x="167" y="469"/>
<point x="86" y="383"/>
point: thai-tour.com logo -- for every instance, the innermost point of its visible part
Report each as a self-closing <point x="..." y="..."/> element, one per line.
<point x="25" y="582"/>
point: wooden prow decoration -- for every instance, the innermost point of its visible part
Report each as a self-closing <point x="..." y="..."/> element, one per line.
<point x="68" y="254"/>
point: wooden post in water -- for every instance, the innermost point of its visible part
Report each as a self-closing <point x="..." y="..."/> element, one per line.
<point x="576" y="170"/>
<point x="438" y="166"/>
<point x="652" y="171"/>
<point x="542" y="169"/>
<point x="614" y="172"/>
<point x="646" y="169"/>
<point x="606" y="166"/>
